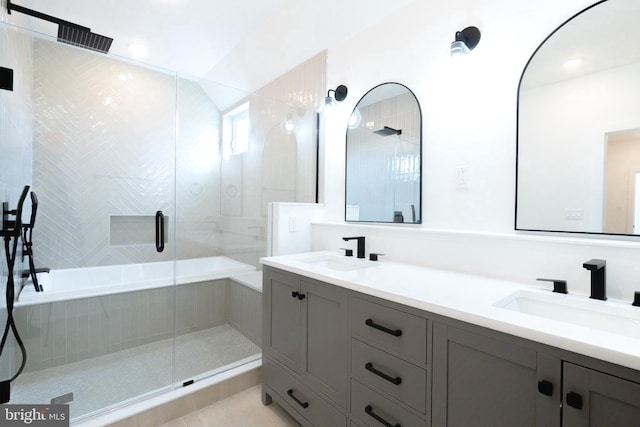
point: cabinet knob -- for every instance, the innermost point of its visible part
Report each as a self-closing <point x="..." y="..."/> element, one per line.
<point x="574" y="400"/>
<point x="298" y="295"/>
<point x="545" y="387"/>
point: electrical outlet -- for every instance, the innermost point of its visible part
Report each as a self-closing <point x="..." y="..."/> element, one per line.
<point x="293" y="224"/>
<point x="462" y="177"/>
<point x="574" y="214"/>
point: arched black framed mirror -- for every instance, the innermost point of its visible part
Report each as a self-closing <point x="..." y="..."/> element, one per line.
<point x="578" y="164"/>
<point x="383" y="159"/>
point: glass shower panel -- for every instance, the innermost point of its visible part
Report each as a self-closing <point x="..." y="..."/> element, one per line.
<point x="224" y="186"/>
<point x="103" y="141"/>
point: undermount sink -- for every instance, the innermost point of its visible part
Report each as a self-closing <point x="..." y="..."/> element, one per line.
<point x="608" y="316"/>
<point x="339" y="264"/>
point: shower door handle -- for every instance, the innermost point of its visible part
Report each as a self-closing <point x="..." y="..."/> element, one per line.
<point x="159" y="231"/>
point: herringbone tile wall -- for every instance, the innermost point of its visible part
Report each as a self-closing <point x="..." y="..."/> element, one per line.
<point x="103" y="145"/>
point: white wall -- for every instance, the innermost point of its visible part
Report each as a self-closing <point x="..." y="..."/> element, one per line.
<point x="563" y="128"/>
<point x="469" y="118"/>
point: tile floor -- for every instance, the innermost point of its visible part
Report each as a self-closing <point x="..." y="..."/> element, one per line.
<point x="113" y="378"/>
<point x="244" y="409"/>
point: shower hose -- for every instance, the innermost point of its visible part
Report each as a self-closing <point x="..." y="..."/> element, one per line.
<point x="11" y="233"/>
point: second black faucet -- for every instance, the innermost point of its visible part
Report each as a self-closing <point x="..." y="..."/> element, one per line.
<point x="360" y="240"/>
<point x="598" y="278"/>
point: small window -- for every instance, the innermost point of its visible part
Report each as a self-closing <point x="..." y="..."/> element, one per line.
<point x="235" y="131"/>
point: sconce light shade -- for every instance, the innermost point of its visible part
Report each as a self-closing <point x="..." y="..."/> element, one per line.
<point x="465" y="41"/>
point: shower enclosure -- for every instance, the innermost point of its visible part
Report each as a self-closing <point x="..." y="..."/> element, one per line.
<point x="153" y="190"/>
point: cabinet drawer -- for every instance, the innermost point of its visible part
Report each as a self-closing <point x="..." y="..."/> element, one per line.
<point x="394" y="376"/>
<point x="292" y="391"/>
<point x="399" y="333"/>
<point x="371" y="409"/>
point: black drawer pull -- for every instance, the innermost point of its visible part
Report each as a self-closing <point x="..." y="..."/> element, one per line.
<point x="369" y="410"/>
<point x="294" y="294"/>
<point x="574" y="400"/>
<point x="545" y="387"/>
<point x="299" y="402"/>
<point x="369" y="367"/>
<point x="394" y="332"/>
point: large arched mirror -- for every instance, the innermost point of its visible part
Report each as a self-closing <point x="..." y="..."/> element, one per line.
<point x="579" y="126"/>
<point x="383" y="166"/>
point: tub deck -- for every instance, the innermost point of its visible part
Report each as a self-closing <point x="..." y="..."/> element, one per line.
<point x="76" y="283"/>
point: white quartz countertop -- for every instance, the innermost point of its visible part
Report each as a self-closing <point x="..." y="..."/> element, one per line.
<point x="467" y="298"/>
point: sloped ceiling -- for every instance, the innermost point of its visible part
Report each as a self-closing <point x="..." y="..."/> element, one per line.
<point x="240" y="43"/>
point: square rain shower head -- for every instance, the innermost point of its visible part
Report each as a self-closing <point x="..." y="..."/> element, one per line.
<point x="68" y="32"/>
<point x="79" y="36"/>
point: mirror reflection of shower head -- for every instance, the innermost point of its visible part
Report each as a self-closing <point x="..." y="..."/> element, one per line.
<point x="68" y="32"/>
<point x="386" y="131"/>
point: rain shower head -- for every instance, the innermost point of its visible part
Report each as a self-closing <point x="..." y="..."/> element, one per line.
<point x="77" y="36"/>
<point x="68" y="32"/>
<point x="386" y="131"/>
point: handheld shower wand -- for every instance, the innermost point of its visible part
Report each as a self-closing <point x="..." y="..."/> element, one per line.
<point x="27" y="245"/>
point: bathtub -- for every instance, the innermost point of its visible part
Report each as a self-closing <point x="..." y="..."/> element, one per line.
<point x="76" y="283"/>
<point x="96" y="312"/>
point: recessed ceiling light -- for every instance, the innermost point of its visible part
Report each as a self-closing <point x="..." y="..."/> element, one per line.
<point x="573" y="63"/>
<point x="137" y="49"/>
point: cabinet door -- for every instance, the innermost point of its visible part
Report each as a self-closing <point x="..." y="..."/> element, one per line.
<point x="282" y="316"/>
<point x="325" y="314"/>
<point x="595" y="399"/>
<point x="483" y="381"/>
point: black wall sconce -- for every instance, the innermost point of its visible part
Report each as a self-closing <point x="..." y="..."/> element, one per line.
<point x="339" y="94"/>
<point x="466" y="40"/>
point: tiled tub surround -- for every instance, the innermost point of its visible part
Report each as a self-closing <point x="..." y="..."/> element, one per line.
<point x="467" y="298"/>
<point x="217" y="323"/>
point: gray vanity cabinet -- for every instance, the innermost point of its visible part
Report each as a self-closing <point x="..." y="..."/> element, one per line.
<point x="305" y="346"/>
<point x="485" y="379"/>
<point x="332" y="356"/>
<point x="596" y="399"/>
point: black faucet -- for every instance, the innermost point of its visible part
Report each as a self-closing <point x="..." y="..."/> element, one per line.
<point x="360" y="240"/>
<point x="598" y="278"/>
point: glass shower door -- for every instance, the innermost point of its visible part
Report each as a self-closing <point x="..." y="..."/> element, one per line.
<point x="236" y="152"/>
<point x="102" y="331"/>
